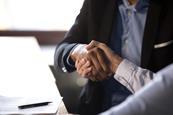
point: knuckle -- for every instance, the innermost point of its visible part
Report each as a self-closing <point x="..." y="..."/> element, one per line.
<point x="102" y="44"/>
<point x="93" y="41"/>
<point x="97" y="49"/>
<point x="90" y="52"/>
<point x="83" y="75"/>
<point x="94" y="73"/>
<point x="79" y="72"/>
<point x="99" y="69"/>
<point x="107" y="70"/>
<point x="76" y="65"/>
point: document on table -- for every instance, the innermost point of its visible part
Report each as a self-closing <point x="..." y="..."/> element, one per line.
<point x="25" y="78"/>
<point x="9" y="105"/>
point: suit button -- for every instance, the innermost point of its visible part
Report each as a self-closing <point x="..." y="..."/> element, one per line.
<point x="64" y="69"/>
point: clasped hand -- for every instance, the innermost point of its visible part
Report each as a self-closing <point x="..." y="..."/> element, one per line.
<point x="97" y="63"/>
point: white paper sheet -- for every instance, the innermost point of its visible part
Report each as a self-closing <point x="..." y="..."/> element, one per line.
<point x="25" y="77"/>
<point x="10" y="105"/>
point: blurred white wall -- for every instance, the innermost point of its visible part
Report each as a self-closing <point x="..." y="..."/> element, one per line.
<point x="4" y="19"/>
<point x="38" y="14"/>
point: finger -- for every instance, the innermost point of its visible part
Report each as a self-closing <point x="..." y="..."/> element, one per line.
<point x="100" y="45"/>
<point x="85" y="69"/>
<point x="92" y="44"/>
<point x="79" y="63"/>
<point x="92" y="79"/>
<point x="78" y="66"/>
<point x="98" y="77"/>
<point x="103" y="61"/>
<point x="103" y="76"/>
<point x="97" y="67"/>
<point x="85" y="73"/>
<point x="114" y="59"/>
<point x="106" y="49"/>
<point x="86" y="65"/>
<point x="76" y="63"/>
<point x="79" y="71"/>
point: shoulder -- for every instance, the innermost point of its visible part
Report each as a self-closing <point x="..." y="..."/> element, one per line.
<point x="166" y="75"/>
<point x="167" y="71"/>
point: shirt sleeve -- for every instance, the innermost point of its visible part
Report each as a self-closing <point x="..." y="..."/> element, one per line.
<point x="132" y="76"/>
<point x="79" y="48"/>
<point x="153" y="99"/>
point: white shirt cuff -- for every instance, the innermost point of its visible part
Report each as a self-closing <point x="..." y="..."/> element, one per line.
<point x="125" y="69"/>
<point x="80" y="48"/>
<point x="124" y="73"/>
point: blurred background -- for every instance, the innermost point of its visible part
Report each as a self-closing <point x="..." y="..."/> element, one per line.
<point x="48" y="21"/>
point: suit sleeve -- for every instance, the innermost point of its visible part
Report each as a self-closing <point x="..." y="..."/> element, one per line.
<point x="154" y="99"/>
<point x="77" y="34"/>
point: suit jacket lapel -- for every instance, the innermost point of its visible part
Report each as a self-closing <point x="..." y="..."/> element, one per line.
<point x="150" y="32"/>
<point x="108" y="17"/>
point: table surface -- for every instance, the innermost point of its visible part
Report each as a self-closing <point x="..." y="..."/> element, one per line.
<point x="62" y="109"/>
<point x="28" y="59"/>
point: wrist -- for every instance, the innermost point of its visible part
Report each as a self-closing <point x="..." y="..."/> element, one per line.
<point x="115" y="63"/>
<point x="77" y="51"/>
<point x="73" y="57"/>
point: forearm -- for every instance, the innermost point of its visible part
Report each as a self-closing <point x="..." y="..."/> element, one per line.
<point x="132" y="76"/>
<point x="61" y="57"/>
<point x="153" y="99"/>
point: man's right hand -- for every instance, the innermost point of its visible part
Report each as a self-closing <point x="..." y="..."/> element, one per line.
<point x="98" y="62"/>
<point x="82" y="64"/>
<point x="113" y="59"/>
<point x="90" y="64"/>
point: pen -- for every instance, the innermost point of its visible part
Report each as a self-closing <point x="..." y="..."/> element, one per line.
<point x="33" y="105"/>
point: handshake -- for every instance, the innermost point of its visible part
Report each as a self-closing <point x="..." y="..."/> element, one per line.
<point x="96" y="61"/>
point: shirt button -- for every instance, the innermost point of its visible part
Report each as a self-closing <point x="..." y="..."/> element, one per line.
<point x="129" y="13"/>
<point x="125" y="41"/>
<point x="64" y="69"/>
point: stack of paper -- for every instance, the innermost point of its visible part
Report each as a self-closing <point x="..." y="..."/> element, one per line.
<point x="25" y="78"/>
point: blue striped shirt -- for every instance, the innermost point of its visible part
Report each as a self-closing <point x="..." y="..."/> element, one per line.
<point x="126" y="40"/>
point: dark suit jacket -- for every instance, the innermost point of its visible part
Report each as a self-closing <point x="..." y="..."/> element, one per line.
<point x="95" y="22"/>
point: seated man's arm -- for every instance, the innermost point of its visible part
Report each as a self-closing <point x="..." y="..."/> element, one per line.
<point x="76" y="35"/>
<point x="132" y="76"/>
<point x="154" y="99"/>
<point x="61" y="61"/>
<point x="128" y="74"/>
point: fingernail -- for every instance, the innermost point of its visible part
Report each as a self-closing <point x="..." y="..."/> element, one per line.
<point x="83" y="60"/>
<point x="88" y="63"/>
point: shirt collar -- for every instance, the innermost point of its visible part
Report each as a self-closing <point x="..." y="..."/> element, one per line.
<point x="140" y="4"/>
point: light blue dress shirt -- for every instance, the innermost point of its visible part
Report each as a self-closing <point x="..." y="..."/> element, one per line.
<point x="133" y="22"/>
<point x="126" y="40"/>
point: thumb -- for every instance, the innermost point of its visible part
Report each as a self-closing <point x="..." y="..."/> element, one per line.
<point x="92" y="44"/>
<point x="108" y="52"/>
